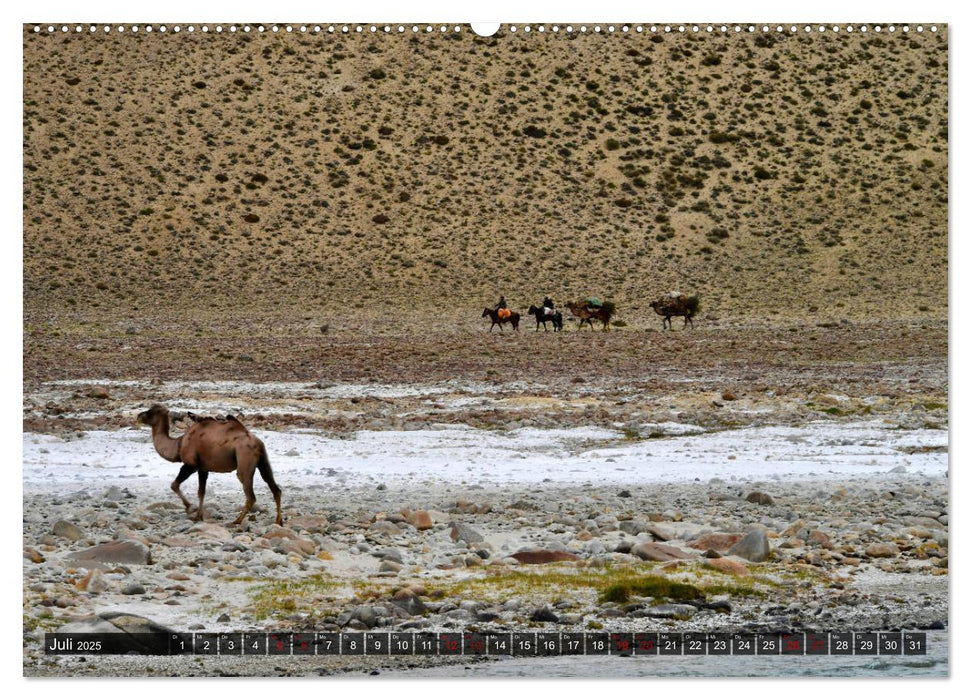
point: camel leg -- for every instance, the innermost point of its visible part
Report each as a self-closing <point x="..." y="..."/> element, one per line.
<point x="267" y="474"/>
<point x="184" y="473"/>
<point x="203" y="477"/>
<point x="245" y="475"/>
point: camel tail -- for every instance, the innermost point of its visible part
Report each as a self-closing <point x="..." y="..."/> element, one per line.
<point x="266" y="472"/>
<point x="694" y="304"/>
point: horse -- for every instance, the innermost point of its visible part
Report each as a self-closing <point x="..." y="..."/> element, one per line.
<point x="676" y="306"/>
<point x="512" y="318"/>
<point x="555" y="317"/>
<point x="587" y="314"/>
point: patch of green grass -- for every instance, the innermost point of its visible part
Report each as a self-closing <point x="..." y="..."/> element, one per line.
<point x="934" y="405"/>
<point x="284" y="597"/>
<point x="650" y="586"/>
<point x="609" y="584"/>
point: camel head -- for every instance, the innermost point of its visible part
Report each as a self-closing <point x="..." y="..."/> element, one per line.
<point x="153" y="415"/>
<point x="654" y="304"/>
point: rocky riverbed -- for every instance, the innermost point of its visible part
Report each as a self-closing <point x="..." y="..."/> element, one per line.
<point x="841" y="534"/>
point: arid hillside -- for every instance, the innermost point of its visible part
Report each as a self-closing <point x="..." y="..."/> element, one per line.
<point x="775" y="174"/>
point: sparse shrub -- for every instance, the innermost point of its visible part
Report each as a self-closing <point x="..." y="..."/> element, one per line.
<point x="717" y="235"/>
<point x="723" y="137"/>
<point x="649" y="586"/>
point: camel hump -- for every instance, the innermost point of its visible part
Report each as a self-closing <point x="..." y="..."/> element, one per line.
<point x="234" y="419"/>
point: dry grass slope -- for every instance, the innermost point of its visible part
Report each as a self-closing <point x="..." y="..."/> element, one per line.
<point x="769" y="173"/>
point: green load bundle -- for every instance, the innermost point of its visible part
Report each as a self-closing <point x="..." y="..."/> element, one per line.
<point x="594" y="302"/>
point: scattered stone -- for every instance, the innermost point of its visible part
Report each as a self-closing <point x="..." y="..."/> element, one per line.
<point x="720" y="604"/>
<point x="821" y="539"/>
<point x="211" y="531"/>
<point x="635" y="526"/>
<point x="729" y="566"/>
<point x="98" y="392"/>
<point x="385" y="527"/>
<point x="365" y="614"/>
<point x="759" y="498"/>
<point x="422" y="520"/>
<point x="133" y="588"/>
<point x="93" y="582"/>
<point x="543" y="556"/>
<point x="652" y="551"/>
<point x="33" y="555"/>
<point x="407" y="600"/>
<point x="62" y="528"/>
<point x="671" y="610"/>
<point x="879" y="550"/>
<point x="624" y="494"/>
<point x="461" y="531"/>
<point x="728" y="396"/>
<point x="544" y="614"/>
<point x="719" y="541"/>
<point x="146" y="636"/>
<point x="310" y="523"/>
<point x="118" y="552"/>
<point x="754" y="546"/>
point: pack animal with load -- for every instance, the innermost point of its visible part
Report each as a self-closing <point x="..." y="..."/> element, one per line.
<point x="676" y="304"/>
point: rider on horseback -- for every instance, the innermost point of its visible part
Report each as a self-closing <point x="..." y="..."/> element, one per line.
<point x="548" y="306"/>
<point x="502" y="311"/>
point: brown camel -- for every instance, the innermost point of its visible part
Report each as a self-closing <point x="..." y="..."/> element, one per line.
<point x="676" y="305"/>
<point x="212" y="445"/>
<point x="587" y="314"/>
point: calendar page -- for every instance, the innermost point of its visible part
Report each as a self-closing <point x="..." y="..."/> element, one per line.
<point x="549" y="349"/>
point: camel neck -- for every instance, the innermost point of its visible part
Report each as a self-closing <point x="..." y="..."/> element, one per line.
<point x="166" y="446"/>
